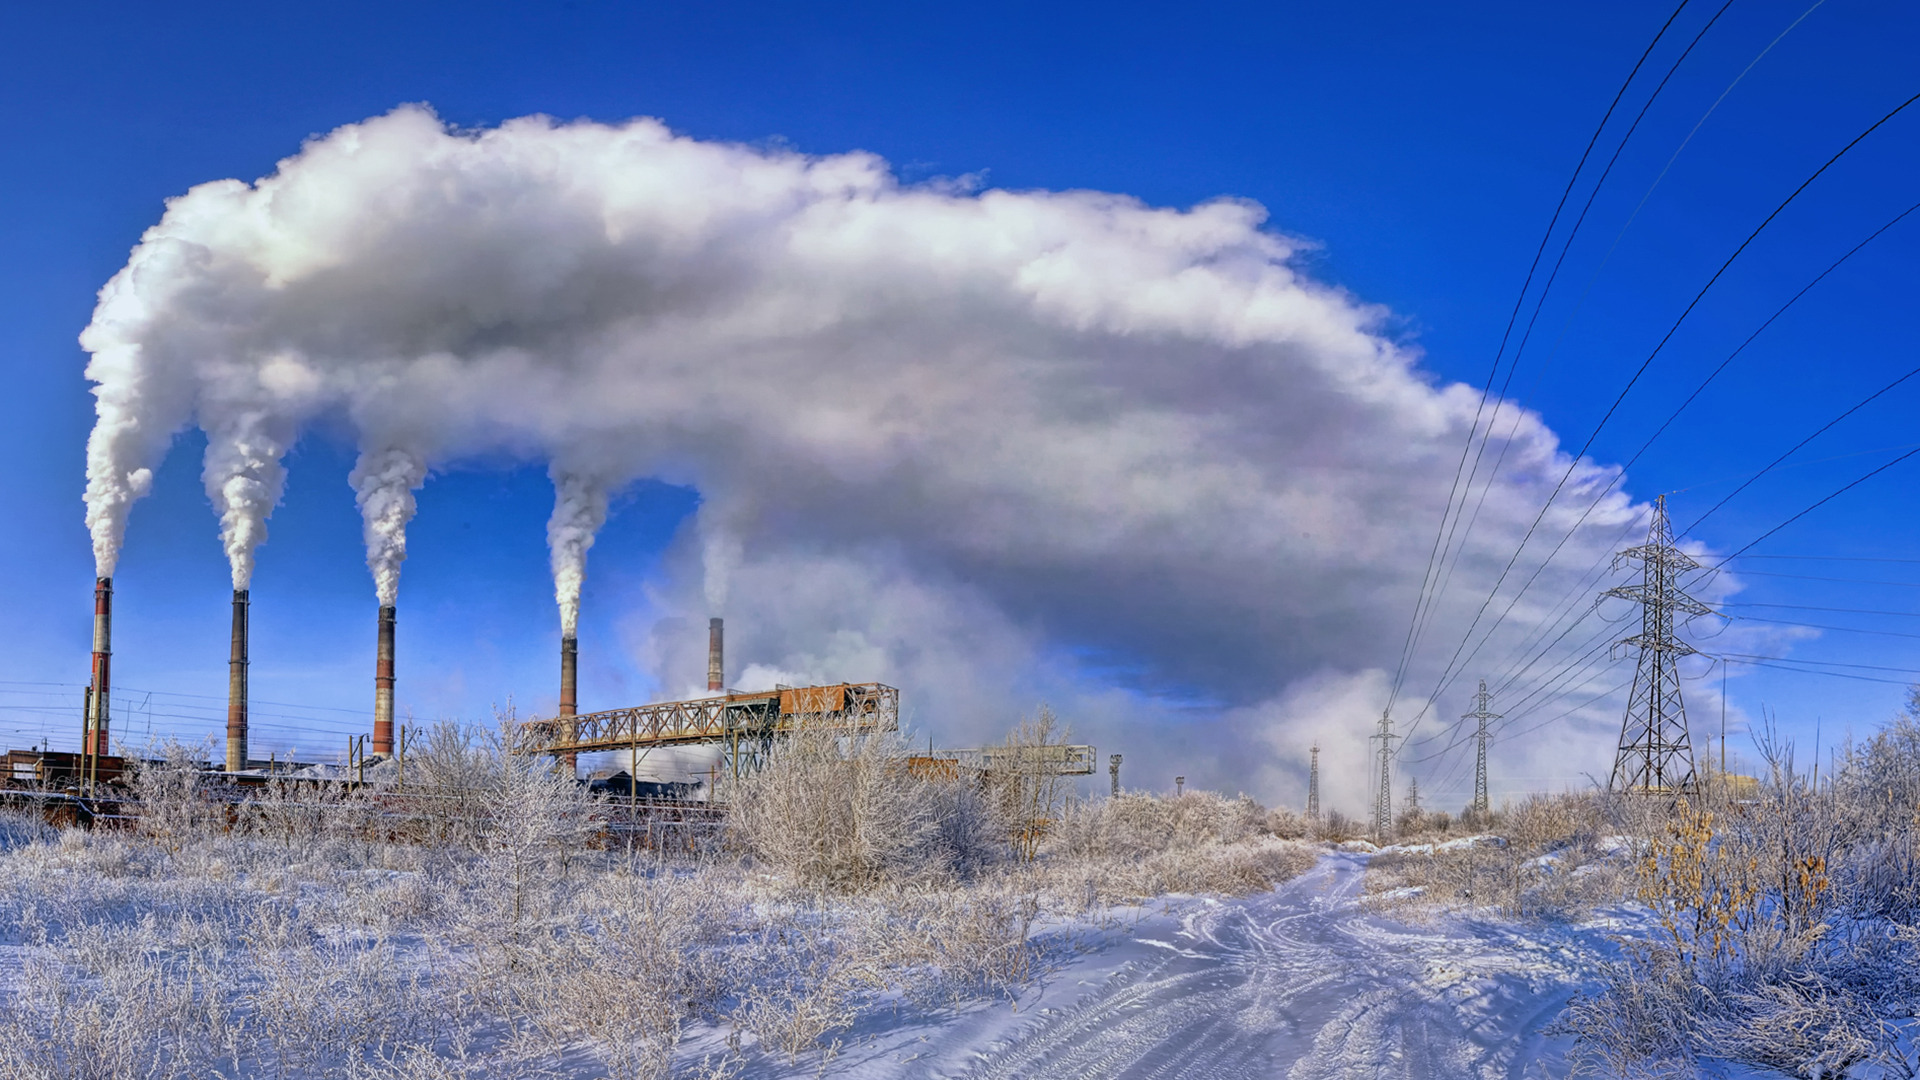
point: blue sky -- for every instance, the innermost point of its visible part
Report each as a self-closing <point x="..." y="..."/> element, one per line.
<point x="1421" y="148"/>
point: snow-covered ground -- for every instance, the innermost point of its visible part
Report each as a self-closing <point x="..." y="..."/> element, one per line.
<point x="1305" y="981"/>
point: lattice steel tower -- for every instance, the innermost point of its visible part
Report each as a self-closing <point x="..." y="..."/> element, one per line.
<point x="1480" y="713"/>
<point x="1383" y="802"/>
<point x="1313" y="784"/>
<point x="1655" y="755"/>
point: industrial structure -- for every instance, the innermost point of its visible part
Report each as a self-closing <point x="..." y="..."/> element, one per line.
<point x="1481" y="714"/>
<point x="383" y="685"/>
<point x="744" y="725"/>
<point x="1383" y="799"/>
<point x="96" y="727"/>
<point x="237" y="686"/>
<point x="1655" y="755"/>
<point x="1313" y="783"/>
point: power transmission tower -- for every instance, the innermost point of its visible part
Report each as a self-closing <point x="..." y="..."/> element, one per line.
<point x="1481" y="714"/>
<point x="1383" y="802"/>
<point x="1313" y="785"/>
<point x="1655" y="756"/>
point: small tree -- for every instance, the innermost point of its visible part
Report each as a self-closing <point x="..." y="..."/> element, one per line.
<point x="170" y="791"/>
<point x="1027" y="775"/>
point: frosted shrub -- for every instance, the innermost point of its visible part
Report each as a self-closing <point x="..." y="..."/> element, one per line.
<point x="1787" y="933"/>
<point x="1139" y="844"/>
<point x="173" y="804"/>
<point x="828" y="816"/>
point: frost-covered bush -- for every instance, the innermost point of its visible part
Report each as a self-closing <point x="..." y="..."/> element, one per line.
<point x="1551" y="856"/>
<point x="1787" y="924"/>
<point x="829" y="815"/>
<point x="1140" y="823"/>
<point x="1139" y="844"/>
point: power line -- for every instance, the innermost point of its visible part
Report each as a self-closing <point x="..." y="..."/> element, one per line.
<point x="1826" y="674"/>
<point x="1819" y="626"/>
<point x="1822" y="502"/>
<point x="1422" y="600"/>
<point x="1842" y="610"/>
<point x="1830" y="558"/>
<point x="1539" y="304"/>
<point x="1837" y="580"/>
<point x="1449" y="673"/>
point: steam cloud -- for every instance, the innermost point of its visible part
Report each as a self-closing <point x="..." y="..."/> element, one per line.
<point x="579" y="509"/>
<point x="984" y="445"/>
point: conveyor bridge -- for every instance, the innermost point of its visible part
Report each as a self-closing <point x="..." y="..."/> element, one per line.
<point x="744" y="723"/>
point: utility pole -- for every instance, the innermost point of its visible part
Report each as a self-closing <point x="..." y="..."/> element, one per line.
<point x="1655" y="755"/>
<point x="1313" y="784"/>
<point x="1383" y="801"/>
<point x="1113" y="772"/>
<point x="1481" y="714"/>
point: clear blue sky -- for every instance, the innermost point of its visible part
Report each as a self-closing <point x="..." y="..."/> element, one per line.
<point x="1422" y="146"/>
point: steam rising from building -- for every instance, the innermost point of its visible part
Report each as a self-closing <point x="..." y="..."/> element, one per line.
<point x="938" y="434"/>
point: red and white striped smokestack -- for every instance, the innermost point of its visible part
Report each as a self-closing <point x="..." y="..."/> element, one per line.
<point x="100" y="695"/>
<point x="716" y="660"/>
<point x="383" y="685"/>
<point x="237" y="686"/>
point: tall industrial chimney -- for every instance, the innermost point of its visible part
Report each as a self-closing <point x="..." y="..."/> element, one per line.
<point x="569" y="668"/>
<point x="569" y="690"/>
<point x="237" y="686"/>
<point x="94" y="739"/>
<point x="383" y="685"/>
<point x="716" y="662"/>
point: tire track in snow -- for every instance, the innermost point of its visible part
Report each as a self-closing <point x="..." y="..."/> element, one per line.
<point x="1305" y="983"/>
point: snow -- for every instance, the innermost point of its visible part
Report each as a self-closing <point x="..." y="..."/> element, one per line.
<point x="1301" y="982"/>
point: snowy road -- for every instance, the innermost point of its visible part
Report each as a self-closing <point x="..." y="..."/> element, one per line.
<point x="1301" y="982"/>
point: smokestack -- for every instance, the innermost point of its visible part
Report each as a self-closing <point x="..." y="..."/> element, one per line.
<point x="94" y="739"/>
<point x="237" y="686"/>
<point x="569" y="689"/>
<point x="383" y="685"/>
<point x="716" y="663"/>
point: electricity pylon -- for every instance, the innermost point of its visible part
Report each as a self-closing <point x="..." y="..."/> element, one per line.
<point x="1383" y="802"/>
<point x="1481" y="714"/>
<point x="1655" y="755"/>
<point x="1313" y="785"/>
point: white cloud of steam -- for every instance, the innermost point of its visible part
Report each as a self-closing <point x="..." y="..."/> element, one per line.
<point x="720" y="554"/>
<point x="383" y="484"/>
<point x="988" y="446"/>
<point x="579" y="509"/>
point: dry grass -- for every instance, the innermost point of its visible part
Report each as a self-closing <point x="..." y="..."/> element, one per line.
<point x="1546" y="856"/>
<point x="483" y="933"/>
<point x="1786" y="912"/>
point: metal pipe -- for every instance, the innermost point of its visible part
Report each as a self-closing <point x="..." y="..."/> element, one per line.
<point x="237" y="686"/>
<point x="716" y="665"/>
<point x="94" y="740"/>
<point x="383" y="685"/>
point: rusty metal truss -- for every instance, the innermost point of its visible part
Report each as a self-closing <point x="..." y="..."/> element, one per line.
<point x="745" y="724"/>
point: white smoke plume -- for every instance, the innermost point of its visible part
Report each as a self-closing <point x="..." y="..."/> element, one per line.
<point x="987" y="446"/>
<point x="383" y="484"/>
<point x="245" y="478"/>
<point x="720" y="552"/>
<point x="579" y="509"/>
